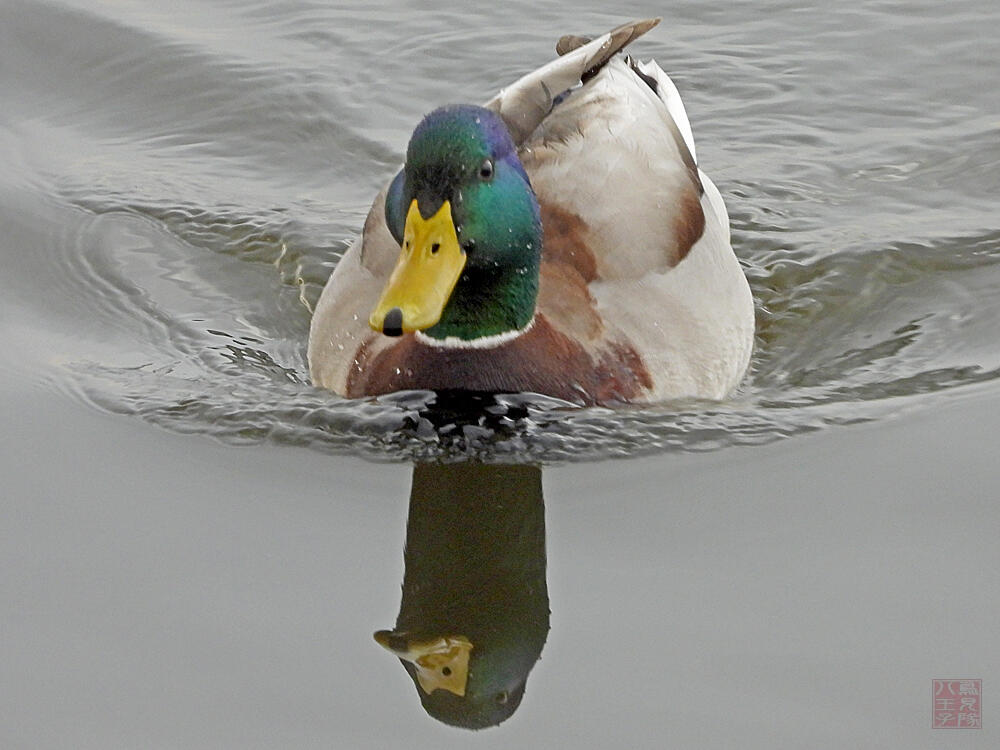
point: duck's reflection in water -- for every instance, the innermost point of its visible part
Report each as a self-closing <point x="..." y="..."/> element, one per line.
<point x="475" y="607"/>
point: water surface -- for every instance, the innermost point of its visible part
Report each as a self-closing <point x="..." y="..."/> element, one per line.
<point x="179" y="182"/>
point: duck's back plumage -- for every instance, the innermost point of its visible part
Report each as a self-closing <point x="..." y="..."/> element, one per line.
<point x="640" y="296"/>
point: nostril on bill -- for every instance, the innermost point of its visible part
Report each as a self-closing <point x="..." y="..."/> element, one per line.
<point x="393" y="323"/>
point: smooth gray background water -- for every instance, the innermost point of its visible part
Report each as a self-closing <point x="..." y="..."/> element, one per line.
<point x="195" y="545"/>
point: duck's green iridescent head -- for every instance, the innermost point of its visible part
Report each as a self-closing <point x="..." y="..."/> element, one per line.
<point x="468" y="224"/>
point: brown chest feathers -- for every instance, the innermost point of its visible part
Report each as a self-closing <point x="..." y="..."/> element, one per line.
<point x="541" y="360"/>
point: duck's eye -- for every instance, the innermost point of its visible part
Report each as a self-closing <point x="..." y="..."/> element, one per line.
<point x="501" y="697"/>
<point x="486" y="169"/>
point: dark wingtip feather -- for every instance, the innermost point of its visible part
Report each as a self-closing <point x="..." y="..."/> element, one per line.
<point x="621" y="37"/>
<point x="570" y="42"/>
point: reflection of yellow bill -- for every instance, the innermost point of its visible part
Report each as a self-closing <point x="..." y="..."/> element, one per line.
<point x="430" y="263"/>
<point x="441" y="663"/>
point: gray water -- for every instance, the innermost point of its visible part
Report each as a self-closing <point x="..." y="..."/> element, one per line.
<point x="788" y="568"/>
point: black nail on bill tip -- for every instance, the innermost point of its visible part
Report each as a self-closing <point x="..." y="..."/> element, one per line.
<point x="393" y="323"/>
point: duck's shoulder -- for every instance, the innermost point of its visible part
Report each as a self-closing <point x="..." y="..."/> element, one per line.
<point x="637" y="254"/>
<point x="614" y="157"/>
<point x="339" y="326"/>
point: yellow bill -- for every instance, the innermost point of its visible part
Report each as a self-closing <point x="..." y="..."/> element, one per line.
<point x="430" y="264"/>
<point x="441" y="663"/>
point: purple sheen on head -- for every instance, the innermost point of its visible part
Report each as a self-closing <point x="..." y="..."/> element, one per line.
<point x="460" y="132"/>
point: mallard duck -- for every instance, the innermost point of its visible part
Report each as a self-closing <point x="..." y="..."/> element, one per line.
<point x="560" y="239"/>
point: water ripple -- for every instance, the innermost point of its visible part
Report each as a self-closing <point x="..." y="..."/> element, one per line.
<point x="842" y="339"/>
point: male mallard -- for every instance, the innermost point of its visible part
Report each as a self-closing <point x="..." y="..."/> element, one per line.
<point x="560" y="240"/>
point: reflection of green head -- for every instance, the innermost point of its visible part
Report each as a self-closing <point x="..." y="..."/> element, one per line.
<point x="475" y="611"/>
